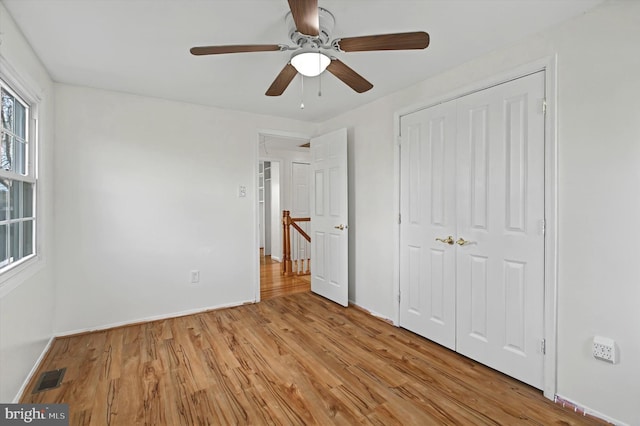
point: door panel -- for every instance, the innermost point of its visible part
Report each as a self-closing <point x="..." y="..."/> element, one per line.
<point x="478" y="305"/>
<point x="329" y="214"/>
<point x="319" y="193"/>
<point x="427" y="285"/>
<point x="479" y="163"/>
<point x="300" y="184"/>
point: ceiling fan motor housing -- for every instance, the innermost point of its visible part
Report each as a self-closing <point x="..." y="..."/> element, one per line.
<point x="327" y="22"/>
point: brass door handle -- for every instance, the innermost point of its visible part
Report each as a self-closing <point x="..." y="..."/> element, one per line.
<point x="462" y="242"/>
<point x="448" y="240"/>
<point x="340" y="227"/>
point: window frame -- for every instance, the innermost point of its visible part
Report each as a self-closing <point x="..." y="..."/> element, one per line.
<point x="24" y="90"/>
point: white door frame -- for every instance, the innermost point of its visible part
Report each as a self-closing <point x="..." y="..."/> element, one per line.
<point x="549" y="66"/>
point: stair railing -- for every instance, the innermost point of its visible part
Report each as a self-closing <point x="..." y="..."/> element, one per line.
<point x="296" y="246"/>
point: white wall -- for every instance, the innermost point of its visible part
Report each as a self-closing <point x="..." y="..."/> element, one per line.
<point x="147" y="191"/>
<point x="27" y="299"/>
<point x="599" y="198"/>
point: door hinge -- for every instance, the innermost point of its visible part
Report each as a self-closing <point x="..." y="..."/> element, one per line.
<point x="543" y="346"/>
<point x="544" y="106"/>
<point x="398" y="297"/>
<point x="543" y="226"/>
<point x="399" y="218"/>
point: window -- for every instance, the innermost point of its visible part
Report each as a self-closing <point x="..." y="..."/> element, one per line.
<point x="17" y="181"/>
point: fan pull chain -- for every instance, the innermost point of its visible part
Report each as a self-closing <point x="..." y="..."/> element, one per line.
<point x="319" y="76"/>
<point x="301" y="91"/>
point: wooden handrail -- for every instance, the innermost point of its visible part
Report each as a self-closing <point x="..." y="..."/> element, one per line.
<point x="287" y="263"/>
<point x="301" y="231"/>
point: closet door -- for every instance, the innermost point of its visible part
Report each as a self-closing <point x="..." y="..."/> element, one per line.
<point x="500" y="212"/>
<point x="427" y="277"/>
<point x="473" y="169"/>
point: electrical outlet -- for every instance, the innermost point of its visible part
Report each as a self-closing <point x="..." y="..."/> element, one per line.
<point x="604" y="349"/>
<point x="242" y="191"/>
<point x="195" y="276"/>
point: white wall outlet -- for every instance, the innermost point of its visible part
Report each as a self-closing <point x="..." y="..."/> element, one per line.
<point x="195" y="276"/>
<point x="242" y="191"/>
<point x="604" y="349"/>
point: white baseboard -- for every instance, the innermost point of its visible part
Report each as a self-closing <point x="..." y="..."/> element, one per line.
<point x="152" y="318"/>
<point x="35" y="367"/>
<point x="375" y="314"/>
<point x="581" y="409"/>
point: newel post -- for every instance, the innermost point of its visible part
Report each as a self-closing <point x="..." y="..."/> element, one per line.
<point x="286" y="267"/>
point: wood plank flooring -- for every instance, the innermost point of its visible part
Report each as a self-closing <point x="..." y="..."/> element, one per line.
<point x="291" y="360"/>
<point x="272" y="284"/>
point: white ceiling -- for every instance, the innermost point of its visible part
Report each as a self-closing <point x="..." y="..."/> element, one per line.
<point x="272" y="143"/>
<point x="142" y="46"/>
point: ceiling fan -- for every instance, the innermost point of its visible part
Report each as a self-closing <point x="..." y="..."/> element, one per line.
<point x="310" y="30"/>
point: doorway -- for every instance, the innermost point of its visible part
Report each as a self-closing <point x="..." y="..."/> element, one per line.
<point x="281" y="159"/>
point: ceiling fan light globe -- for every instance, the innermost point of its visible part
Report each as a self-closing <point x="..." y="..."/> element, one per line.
<point x="310" y="64"/>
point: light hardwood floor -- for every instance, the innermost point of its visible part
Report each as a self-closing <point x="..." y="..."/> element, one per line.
<point x="296" y="359"/>
<point x="272" y="284"/>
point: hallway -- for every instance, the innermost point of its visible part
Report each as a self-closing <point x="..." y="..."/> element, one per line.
<point x="272" y="284"/>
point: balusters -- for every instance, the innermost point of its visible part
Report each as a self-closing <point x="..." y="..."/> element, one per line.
<point x="295" y="247"/>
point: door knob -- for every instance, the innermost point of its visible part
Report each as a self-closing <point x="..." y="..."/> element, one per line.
<point x="462" y="242"/>
<point x="448" y="240"/>
<point x="340" y="227"/>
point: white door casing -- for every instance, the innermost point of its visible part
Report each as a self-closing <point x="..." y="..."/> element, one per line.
<point x="329" y="214"/>
<point x="490" y="183"/>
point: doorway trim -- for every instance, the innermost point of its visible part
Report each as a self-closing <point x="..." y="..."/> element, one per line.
<point x="549" y="66"/>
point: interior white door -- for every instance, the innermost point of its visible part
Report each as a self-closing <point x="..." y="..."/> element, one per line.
<point x="329" y="214"/>
<point x="500" y="205"/>
<point x="473" y="169"/>
<point x="300" y="189"/>
<point x="427" y="265"/>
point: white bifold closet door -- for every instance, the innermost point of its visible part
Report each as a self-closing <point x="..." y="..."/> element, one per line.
<point x="472" y="231"/>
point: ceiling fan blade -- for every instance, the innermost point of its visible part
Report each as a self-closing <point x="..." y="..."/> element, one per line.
<point x="305" y="15"/>
<point x="237" y="48"/>
<point x="398" y="41"/>
<point x="349" y="76"/>
<point x="282" y="81"/>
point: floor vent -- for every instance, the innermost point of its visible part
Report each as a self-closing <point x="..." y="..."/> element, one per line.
<point x="49" y="380"/>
